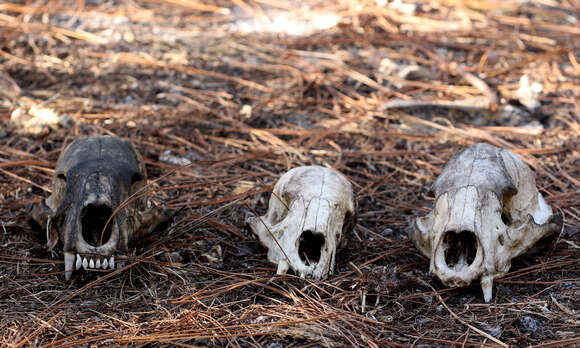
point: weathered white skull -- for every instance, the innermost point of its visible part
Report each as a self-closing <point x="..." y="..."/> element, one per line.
<point x="487" y="211"/>
<point x="310" y="210"/>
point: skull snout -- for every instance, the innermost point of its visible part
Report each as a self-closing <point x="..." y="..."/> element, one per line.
<point x="94" y="239"/>
<point x="98" y="231"/>
<point x="458" y="257"/>
<point x="310" y="246"/>
<point x="460" y="249"/>
<point x="95" y="229"/>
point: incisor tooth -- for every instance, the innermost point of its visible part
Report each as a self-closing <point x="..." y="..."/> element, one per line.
<point x="92" y="264"/>
<point x="85" y="263"/>
<point x="69" y="260"/>
<point x="105" y="263"/>
<point x="79" y="262"/>
<point x="98" y="264"/>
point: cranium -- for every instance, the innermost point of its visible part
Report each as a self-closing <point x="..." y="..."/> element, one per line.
<point x="310" y="210"/>
<point x="487" y="211"/>
<point x="94" y="175"/>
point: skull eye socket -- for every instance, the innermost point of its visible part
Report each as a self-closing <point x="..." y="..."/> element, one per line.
<point x="285" y="200"/>
<point x="93" y="220"/>
<point x="136" y="178"/>
<point x="310" y="247"/>
<point x="349" y="222"/>
<point x="506" y="216"/>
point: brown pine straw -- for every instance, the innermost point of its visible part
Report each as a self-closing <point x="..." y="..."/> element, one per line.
<point x="183" y="80"/>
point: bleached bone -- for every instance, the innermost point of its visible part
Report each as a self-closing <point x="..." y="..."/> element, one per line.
<point x="94" y="176"/>
<point x="309" y="212"/>
<point x="487" y="211"/>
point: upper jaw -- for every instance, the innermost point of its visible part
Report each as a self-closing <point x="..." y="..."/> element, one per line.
<point x="458" y="257"/>
<point x="89" y="257"/>
<point x="88" y="247"/>
<point x="75" y="261"/>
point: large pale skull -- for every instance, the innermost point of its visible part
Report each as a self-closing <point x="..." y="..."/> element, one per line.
<point x="487" y="211"/>
<point x="94" y="175"/>
<point x="309" y="212"/>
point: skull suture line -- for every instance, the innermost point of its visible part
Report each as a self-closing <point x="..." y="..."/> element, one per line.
<point x="309" y="212"/>
<point x="487" y="211"/>
<point x="94" y="175"/>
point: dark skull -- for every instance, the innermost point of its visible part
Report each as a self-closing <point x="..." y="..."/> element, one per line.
<point x="92" y="211"/>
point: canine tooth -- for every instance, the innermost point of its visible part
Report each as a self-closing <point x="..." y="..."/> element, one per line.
<point x="79" y="262"/>
<point x="98" y="264"/>
<point x="92" y="264"/>
<point x="283" y="267"/>
<point x="105" y="263"/>
<point x="112" y="262"/>
<point x="487" y="287"/>
<point x="85" y="263"/>
<point x="69" y="260"/>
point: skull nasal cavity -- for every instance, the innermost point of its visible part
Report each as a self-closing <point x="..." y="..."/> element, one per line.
<point x="93" y="220"/>
<point x="460" y="248"/>
<point x="310" y="247"/>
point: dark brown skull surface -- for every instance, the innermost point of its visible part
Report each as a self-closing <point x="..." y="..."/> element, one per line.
<point x="91" y="212"/>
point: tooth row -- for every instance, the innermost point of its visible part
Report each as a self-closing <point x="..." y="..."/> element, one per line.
<point x="90" y="263"/>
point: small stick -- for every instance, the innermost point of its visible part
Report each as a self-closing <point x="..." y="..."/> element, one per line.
<point x="481" y="332"/>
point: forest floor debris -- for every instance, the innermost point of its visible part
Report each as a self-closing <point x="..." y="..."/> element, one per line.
<point x="240" y="92"/>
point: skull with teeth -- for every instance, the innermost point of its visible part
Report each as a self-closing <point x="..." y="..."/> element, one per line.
<point x="487" y="211"/>
<point x="89" y="211"/>
<point x="310" y="210"/>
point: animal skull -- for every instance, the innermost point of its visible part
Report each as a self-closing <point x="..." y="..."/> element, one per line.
<point x="310" y="210"/>
<point x="487" y="211"/>
<point x="94" y="175"/>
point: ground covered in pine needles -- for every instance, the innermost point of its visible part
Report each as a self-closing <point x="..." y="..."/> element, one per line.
<point x="222" y="98"/>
